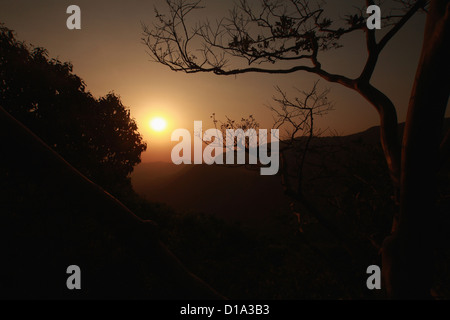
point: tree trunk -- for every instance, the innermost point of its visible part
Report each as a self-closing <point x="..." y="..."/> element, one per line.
<point x="407" y="253"/>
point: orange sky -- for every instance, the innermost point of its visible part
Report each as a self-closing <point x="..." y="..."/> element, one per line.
<point x="107" y="53"/>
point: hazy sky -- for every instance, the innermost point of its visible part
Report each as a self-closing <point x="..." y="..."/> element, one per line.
<point x="108" y="54"/>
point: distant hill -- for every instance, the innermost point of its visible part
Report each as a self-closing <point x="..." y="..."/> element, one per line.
<point x="233" y="194"/>
<point x="334" y="166"/>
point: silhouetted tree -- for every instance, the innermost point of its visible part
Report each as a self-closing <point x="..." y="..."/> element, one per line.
<point x="291" y="35"/>
<point x="294" y="117"/>
<point x="97" y="136"/>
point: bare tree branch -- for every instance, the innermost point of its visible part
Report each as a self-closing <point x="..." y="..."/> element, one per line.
<point x="277" y="31"/>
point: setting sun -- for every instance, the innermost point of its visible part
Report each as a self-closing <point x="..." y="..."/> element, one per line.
<point x="158" y="124"/>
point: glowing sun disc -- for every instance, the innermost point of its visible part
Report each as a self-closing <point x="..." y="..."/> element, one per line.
<point x="158" y="124"/>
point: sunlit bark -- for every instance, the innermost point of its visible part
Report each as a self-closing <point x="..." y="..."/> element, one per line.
<point x="407" y="254"/>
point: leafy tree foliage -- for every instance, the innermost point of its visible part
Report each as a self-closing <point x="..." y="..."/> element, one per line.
<point x="97" y="136"/>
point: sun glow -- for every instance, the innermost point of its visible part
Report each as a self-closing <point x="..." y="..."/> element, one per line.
<point x="158" y="124"/>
